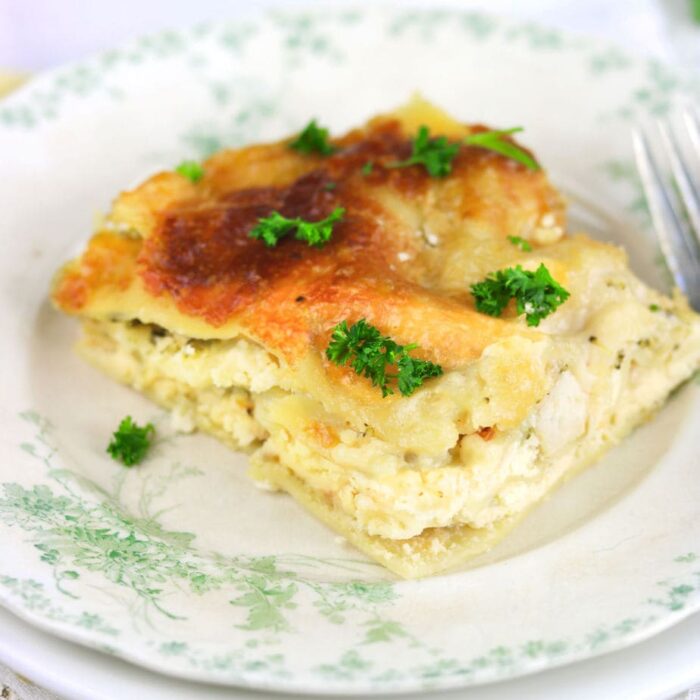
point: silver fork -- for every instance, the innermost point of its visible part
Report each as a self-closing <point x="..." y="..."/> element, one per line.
<point x="675" y="202"/>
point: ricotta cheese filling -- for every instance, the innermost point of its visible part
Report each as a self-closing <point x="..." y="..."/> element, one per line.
<point x="474" y="474"/>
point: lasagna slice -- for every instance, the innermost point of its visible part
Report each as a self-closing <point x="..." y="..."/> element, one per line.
<point x="179" y="299"/>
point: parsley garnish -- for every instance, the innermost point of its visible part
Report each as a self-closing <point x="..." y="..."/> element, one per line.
<point x="271" y="229"/>
<point x="493" y="141"/>
<point x="537" y="294"/>
<point x="434" y="153"/>
<point x="654" y="307"/>
<point x="190" y="169"/>
<point x="520" y="243"/>
<point x="370" y="353"/>
<point x="130" y="442"/>
<point x="313" y="139"/>
<point x="367" y="168"/>
<point x="437" y="153"/>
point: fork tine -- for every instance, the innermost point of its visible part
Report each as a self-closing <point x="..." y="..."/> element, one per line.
<point x="667" y="221"/>
<point x="690" y="117"/>
<point x="681" y="173"/>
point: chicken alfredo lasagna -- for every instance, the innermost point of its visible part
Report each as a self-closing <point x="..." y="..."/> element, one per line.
<point x="394" y="324"/>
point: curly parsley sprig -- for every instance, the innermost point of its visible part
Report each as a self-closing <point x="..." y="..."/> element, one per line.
<point x="436" y="153"/>
<point x="370" y="354"/>
<point x="537" y="294"/>
<point x="313" y="139"/>
<point x="494" y="141"/>
<point x="190" y="169"/>
<point x="130" y="442"/>
<point x="520" y="243"/>
<point x="271" y="229"/>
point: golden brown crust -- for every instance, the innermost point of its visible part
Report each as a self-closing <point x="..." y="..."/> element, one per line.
<point x="190" y="246"/>
<point x="108" y="263"/>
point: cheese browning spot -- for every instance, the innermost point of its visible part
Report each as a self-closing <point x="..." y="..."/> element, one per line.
<point x="487" y="433"/>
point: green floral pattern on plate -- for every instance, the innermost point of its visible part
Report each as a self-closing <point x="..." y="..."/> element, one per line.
<point x="78" y="537"/>
<point x="73" y="534"/>
<point x="313" y="36"/>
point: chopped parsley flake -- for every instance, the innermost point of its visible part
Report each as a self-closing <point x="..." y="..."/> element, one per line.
<point x="520" y="243"/>
<point x="537" y="294"/>
<point x="271" y="229"/>
<point x="367" y="168"/>
<point x="190" y="169"/>
<point x="370" y="354"/>
<point x="654" y="307"/>
<point x="435" y="154"/>
<point x="494" y="141"/>
<point x="313" y="139"/>
<point x="131" y="442"/>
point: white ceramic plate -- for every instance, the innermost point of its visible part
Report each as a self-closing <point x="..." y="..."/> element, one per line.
<point x="182" y="565"/>
<point x="654" y="669"/>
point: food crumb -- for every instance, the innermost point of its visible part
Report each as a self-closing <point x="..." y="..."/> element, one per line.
<point x="430" y="237"/>
<point x="548" y="220"/>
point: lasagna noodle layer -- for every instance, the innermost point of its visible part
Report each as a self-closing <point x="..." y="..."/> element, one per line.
<point x="263" y="423"/>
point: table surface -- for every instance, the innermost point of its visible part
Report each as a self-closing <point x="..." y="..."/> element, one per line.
<point x="39" y="34"/>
